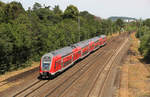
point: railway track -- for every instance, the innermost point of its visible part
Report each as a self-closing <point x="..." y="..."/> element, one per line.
<point x="61" y="89"/>
<point x="36" y="84"/>
<point x="70" y="83"/>
<point x="87" y="94"/>
<point x="110" y="64"/>
<point x="30" y="89"/>
<point x="3" y="83"/>
<point x="72" y="79"/>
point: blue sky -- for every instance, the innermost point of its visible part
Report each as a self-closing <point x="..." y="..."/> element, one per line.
<point x="102" y="8"/>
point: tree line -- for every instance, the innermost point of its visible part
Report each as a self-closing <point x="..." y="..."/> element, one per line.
<point x="25" y="35"/>
<point x="143" y="33"/>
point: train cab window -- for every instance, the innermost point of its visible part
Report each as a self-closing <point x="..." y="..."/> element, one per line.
<point x="46" y="61"/>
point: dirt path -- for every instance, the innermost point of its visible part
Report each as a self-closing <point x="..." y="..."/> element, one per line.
<point x="135" y="78"/>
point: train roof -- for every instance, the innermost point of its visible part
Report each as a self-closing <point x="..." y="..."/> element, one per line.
<point x="82" y="43"/>
<point x="63" y="51"/>
<point x="68" y="49"/>
<point x="85" y="42"/>
<point x="94" y="39"/>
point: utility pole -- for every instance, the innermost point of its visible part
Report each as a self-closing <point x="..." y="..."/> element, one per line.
<point x="79" y="26"/>
<point x="140" y="26"/>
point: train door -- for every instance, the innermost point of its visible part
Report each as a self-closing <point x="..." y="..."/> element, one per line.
<point x="57" y="65"/>
<point x="85" y="51"/>
<point x="75" y="54"/>
<point x="91" y="46"/>
<point x="105" y="40"/>
<point x="96" y="44"/>
<point x="79" y="53"/>
<point x="101" y="41"/>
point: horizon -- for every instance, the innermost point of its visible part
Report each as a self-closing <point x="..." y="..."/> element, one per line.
<point x="138" y="11"/>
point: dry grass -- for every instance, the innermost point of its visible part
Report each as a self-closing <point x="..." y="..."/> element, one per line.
<point x="136" y="82"/>
<point x="135" y="44"/>
<point x="113" y="35"/>
<point x="139" y="84"/>
<point x="4" y="87"/>
<point x="13" y="73"/>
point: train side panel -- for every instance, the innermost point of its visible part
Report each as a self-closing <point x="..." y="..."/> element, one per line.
<point x="56" y="64"/>
<point x="67" y="60"/>
<point x="91" y="46"/>
<point x="85" y="51"/>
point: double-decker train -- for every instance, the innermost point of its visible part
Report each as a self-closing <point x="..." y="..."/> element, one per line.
<point x="58" y="60"/>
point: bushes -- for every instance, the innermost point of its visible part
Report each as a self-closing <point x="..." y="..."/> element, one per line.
<point x="143" y="34"/>
<point x="145" y="46"/>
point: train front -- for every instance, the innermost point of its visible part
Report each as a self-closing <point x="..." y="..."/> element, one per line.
<point x="45" y="65"/>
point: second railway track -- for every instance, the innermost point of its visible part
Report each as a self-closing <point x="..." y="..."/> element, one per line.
<point x="86" y="86"/>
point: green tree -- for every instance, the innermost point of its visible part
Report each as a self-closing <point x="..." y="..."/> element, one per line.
<point x="57" y="10"/>
<point x="141" y="31"/>
<point x="71" y="12"/>
<point x="6" y="47"/>
<point x="120" y="24"/>
<point x="145" y="46"/>
<point x="36" y="6"/>
<point x="147" y="22"/>
<point x="12" y="11"/>
<point x="1" y="11"/>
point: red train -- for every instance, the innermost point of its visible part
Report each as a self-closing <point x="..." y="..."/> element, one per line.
<point x="59" y="60"/>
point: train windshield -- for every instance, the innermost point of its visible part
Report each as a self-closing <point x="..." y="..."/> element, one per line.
<point x="46" y="63"/>
<point x="47" y="59"/>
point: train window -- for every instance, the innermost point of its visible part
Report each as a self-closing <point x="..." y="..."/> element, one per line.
<point x="47" y="59"/>
<point x="45" y="66"/>
<point x="85" y="52"/>
<point x="79" y="52"/>
<point x="96" y="44"/>
<point x="67" y="62"/>
<point x="57" y="63"/>
<point x="92" y="44"/>
<point x="74" y="55"/>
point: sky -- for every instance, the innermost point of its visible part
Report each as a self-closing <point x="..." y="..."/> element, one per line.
<point x="102" y="8"/>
